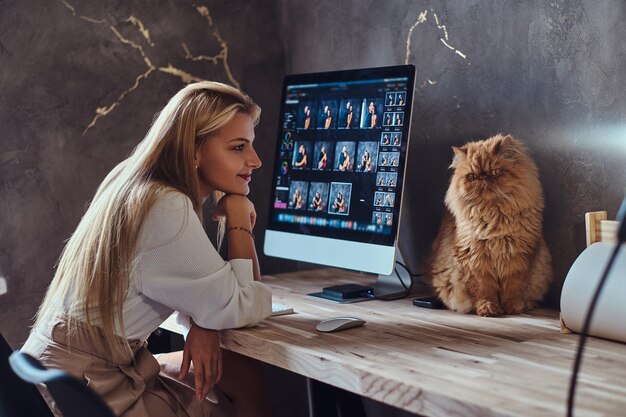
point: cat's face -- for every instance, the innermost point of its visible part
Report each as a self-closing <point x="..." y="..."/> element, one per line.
<point x="486" y="170"/>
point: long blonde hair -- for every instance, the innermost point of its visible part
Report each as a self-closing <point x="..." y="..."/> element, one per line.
<point x="93" y="274"/>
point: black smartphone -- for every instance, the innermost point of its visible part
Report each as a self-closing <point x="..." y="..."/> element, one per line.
<point x="428" y="302"/>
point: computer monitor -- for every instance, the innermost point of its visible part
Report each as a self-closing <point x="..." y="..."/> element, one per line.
<point x="339" y="167"/>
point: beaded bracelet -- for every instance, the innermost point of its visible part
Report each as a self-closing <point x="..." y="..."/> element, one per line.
<point x="248" y="231"/>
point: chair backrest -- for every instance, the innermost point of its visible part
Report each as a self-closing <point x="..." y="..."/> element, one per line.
<point x="72" y="397"/>
<point x="18" y="398"/>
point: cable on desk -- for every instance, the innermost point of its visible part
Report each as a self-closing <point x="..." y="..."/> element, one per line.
<point x="407" y="270"/>
<point x="400" y="279"/>
<point x="411" y="275"/>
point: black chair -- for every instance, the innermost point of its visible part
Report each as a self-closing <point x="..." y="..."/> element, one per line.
<point x="72" y="397"/>
<point x="18" y="398"/>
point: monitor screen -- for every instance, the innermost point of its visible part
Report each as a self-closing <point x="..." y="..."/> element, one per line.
<point x="339" y="167"/>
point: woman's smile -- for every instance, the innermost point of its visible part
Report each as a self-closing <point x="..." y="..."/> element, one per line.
<point x="246" y="177"/>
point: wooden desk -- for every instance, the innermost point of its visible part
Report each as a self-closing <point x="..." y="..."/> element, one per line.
<point x="435" y="362"/>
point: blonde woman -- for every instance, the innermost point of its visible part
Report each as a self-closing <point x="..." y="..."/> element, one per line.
<point x="140" y="253"/>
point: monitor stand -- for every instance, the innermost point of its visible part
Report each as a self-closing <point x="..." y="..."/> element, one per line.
<point x="387" y="287"/>
<point x="396" y="285"/>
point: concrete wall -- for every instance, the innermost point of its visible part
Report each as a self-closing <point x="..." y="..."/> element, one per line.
<point x="80" y="83"/>
<point x="552" y="74"/>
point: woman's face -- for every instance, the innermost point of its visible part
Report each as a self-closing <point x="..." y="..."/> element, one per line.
<point x="226" y="159"/>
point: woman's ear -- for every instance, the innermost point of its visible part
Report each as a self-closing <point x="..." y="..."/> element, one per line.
<point x="197" y="156"/>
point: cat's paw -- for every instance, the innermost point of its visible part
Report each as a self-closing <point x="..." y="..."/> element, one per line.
<point x="531" y="305"/>
<point x="515" y="307"/>
<point x="488" y="309"/>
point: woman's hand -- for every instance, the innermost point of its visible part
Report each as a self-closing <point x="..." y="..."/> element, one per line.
<point x="202" y="347"/>
<point x="238" y="210"/>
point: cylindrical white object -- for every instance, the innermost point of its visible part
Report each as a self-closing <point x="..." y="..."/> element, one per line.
<point x="3" y="286"/>
<point x="609" y="319"/>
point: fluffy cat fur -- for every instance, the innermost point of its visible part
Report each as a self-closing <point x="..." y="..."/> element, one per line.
<point x="489" y="256"/>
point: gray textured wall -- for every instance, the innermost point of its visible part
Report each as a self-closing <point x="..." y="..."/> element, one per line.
<point x="80" y="83"/>
<point x="551" y="73"/>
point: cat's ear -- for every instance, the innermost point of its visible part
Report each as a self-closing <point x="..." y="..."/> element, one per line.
<point x="459" y="155"/>
<point x="505" y="146"/>
<point x="460" y="152"/>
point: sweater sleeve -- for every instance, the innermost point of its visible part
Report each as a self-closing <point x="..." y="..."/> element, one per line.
<point x="178" y="266"/>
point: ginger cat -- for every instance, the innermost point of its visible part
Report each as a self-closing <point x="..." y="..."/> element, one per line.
<point x="489" y="256"/>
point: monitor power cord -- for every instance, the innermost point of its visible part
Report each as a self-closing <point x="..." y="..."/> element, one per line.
<point x="408" y="271"/>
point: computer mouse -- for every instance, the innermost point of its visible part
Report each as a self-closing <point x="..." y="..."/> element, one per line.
<point x="336" y="324"/>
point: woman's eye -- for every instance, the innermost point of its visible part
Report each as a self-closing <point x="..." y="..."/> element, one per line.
<point x="238" y="148"/>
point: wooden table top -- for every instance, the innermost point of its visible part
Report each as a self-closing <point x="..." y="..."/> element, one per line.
<point x="435" y="362"/>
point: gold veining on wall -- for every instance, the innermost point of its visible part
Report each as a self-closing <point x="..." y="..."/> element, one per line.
<point x="223" y="55"/>
<point x="103" y="111"/>
<point x="184" y="76"/>
<point x="440" y="26"/>
<point x="133" y="45"/>
<point x="421" y="18"/>
<point x="145" y="32"/>
<point x="204" y="11"/>
<point x="88" y="19"/>
<point x="445" y="42"/>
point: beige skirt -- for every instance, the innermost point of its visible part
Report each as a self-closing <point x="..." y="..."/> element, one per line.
<point x="132" y="388"/>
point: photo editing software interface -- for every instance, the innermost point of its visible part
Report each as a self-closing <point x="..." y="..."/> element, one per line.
<point x="341" y="153"/>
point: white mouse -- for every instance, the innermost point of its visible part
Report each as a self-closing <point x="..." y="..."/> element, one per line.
<point x="339" y="323"/>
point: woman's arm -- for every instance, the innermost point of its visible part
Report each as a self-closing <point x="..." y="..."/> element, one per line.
<point x="178" y="266"/>
<point x="240" y="220"/>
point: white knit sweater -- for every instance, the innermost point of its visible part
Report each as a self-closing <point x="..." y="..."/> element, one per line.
<point x="177" y="268"/>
